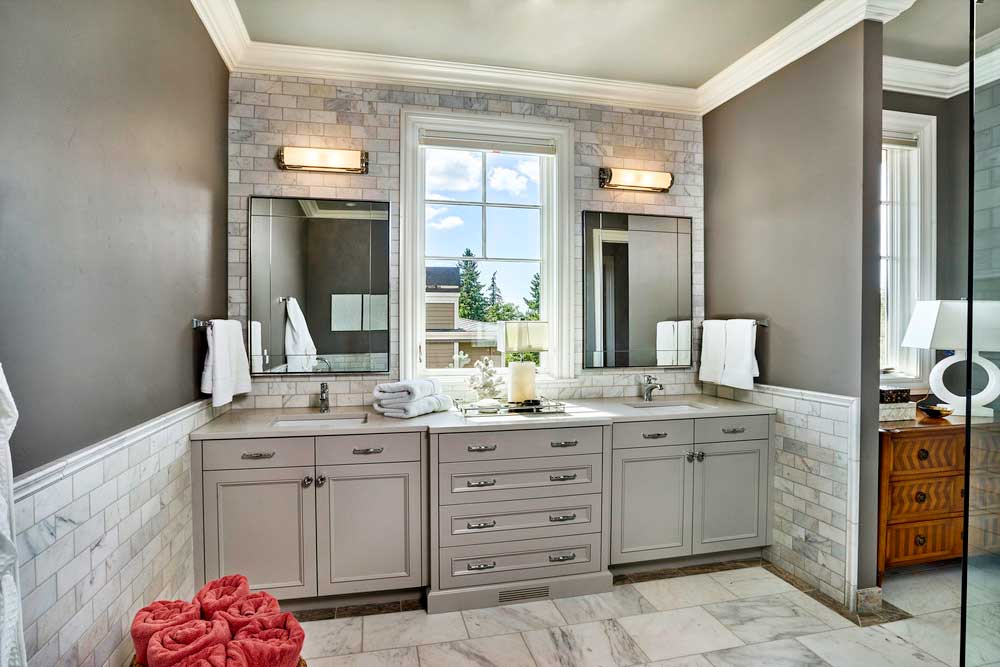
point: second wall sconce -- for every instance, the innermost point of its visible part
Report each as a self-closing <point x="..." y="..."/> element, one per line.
<point x="634" y="179"/>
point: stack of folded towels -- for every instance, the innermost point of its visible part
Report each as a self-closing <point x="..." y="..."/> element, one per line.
<point x="224" y="626"/>
<point x="410" y="398"/>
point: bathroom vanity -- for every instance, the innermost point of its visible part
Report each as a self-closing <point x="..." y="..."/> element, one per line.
<point x="480" y="511"/>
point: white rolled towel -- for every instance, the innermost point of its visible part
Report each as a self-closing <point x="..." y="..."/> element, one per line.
<point x="421" y="406"/>
<point x="405" y="390"/>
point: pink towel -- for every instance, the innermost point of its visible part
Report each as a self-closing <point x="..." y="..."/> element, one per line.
<point x="244" y="610"/>
<point x="171" y="645"/>
<point x="220" y="594"/>
<point x="158" y="616"/>
<point x="271" y="641"/>
<point x="213" y="656"/>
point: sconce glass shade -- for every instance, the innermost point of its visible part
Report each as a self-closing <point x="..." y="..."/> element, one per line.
<point x="295" y="158"/>
<point x="523" y="336"/>
<point x="635" y="179"/>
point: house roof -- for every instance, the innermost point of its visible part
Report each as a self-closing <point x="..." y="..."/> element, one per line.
<point x="442" y="279"/>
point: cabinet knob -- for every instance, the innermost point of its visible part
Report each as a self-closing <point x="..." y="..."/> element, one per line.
<point x="307" y="481"/>
<point x="923" y="454"/>
<point x="320" y="480"/>
<point x="920" y="540"/>
<point x="689" y="456"/>
<point x="699" y="457"/>
<point x="921" y="497"/>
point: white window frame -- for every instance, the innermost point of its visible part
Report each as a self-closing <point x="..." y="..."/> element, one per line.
<point x="557" y="236"/>
<point x="921" y="276"/>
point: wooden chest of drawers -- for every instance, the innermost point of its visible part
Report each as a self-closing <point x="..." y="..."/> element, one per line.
<point x="921" y="493"/>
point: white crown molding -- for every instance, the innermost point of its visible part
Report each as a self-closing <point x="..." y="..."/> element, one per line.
<point x="923" y="78"/>
<point x="828" y="19"/>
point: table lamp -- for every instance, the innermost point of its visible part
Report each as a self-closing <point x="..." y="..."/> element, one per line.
<point x="520" y="337"/>
<point x="942" y="325"/>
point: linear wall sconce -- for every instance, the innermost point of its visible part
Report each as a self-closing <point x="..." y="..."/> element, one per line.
<point x="295" y="158"/>
<point x="635" y="179"/>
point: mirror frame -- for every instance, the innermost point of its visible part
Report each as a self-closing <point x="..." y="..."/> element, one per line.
<point x="388" y="270"/>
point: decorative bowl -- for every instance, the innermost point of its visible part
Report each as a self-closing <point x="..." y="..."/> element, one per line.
<point x="935" y="411"/>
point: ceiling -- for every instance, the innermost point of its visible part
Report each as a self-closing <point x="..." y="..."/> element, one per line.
<point x="668" y="42"/>
<point x="937" y="31"/>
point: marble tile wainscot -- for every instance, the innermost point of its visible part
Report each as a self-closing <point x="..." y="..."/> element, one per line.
<point x="103" y="533"/>
<point x="267" y="112"/>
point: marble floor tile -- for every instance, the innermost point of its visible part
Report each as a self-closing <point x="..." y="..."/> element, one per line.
<point x="874" y="645"/>
<point x="622" y="601"/>
<point x="411" y="628"/>
<point x="395" y="657"/>
<point x="832" y="619"/>
<point x="938" y="634"/>
<point x="782" y="653"/>
<point x="512" y="618"/>
<point x="670" y="634"/>
<point x="751" y="582"/>
<point x="497" y="651"/>
<point x="924" y="591"/>
<point x="680" y="592"/>
<point x="331" y="637"/>
<point x="686" y="661"/>
<point x="765" y="619"/>
<point x="598" y="644"/>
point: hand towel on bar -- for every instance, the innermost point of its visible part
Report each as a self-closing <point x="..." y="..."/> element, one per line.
<point x="408" y="390"/>
<point x="713" y="350"/>
<point x="12" y="651"/>
<point x="256" y="351"/>
<point x="226" y="371"/>
<point x="740" y="365"/>
<point x="684" y="343"/>
<point x="300" y="351"/>
<point x="421" y="406"/>
<point x="666" y="343"/>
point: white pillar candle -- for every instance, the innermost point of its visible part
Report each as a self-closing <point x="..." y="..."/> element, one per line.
<point x="522" y="382"/>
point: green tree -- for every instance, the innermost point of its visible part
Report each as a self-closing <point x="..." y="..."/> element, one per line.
<point x="471" y="302"/>
<point x="503" y="312"/>
<point x="495" y="297"/>
<point x="534" y="299"/>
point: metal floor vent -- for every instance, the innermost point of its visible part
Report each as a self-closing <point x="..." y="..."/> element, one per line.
<point x="519" y="594"/>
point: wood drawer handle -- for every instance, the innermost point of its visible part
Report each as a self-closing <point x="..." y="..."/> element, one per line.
<point x="734" y="430"/>
<point x="255" y="456"/>
<point x="481" y="483"/>
<point x="482" y="448"/>
<point x="920" y="540"/>
<point x="559" y="518"/>
<point x="565" y="443"/>
<point x="921" y="497"/>
<point x="655" y="436"/>
<point x="923" y="454"/>
<point x="369" y="450"/>
<point x="482" y="525"/>
<point x="568" y="477"/>
<point x="562" y="558"/>
<point x="473" y="567"/>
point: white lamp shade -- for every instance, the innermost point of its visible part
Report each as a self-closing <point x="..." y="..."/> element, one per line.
<point x="523" y="336"/>
<point x="941" y="325"/>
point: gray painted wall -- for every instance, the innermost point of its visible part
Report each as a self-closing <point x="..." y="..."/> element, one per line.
<point x="112" y="214"/>
<point x="791" y="227"/>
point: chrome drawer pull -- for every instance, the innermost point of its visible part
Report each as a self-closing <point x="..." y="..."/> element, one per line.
<point x="369" y="450"/>
<point x="481" y="483"/>
<point x="565" y="443"/>
<point x="562" y="558"/>
<point x="655" y="436"/>
<point x="254" y="456"/>
<point x="562" y="517"/>
<point x="563" y="478"/>
<point x="482" y="566"/>
<point x="481" y="525"/>
<point x="734" y="430"/>
<point x="482" y="448"/>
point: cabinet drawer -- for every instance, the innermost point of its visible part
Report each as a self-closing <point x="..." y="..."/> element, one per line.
<point x="515" y="561"/>
<point x="726" y="429"/>
<point x="921" y="541"/>
<point x="919" y="454"/>
<point x="492" y="445"/>
<point x="919" y="498"/>
<point x="653" y="434"/>
<point x="257" y="453"/>
<point x="481" y="523"/>
<point x="381" y="448"/>
<point x="519" y="478"/>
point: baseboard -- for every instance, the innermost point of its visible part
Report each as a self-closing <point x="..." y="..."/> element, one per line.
<point x="495" y="595"/>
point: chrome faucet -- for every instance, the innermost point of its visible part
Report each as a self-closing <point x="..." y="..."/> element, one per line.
<point x="649" y="385"/>
<point x="324" y="397"/>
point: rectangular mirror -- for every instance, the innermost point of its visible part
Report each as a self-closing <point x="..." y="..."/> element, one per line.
<point x="637" y="290"/>
<point x="319" y="286"/>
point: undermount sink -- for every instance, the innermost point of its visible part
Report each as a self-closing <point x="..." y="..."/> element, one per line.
<point x="322" y="419"/>
<point x="668" y="405"/>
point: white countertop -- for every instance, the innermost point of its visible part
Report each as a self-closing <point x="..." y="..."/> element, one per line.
<point x="589" y="412"/>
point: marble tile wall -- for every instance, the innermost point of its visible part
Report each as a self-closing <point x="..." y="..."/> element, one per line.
<point x="267" y="112"/>
<point x="101" y="535"/>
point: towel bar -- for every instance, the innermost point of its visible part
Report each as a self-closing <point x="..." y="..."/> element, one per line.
<point x="761" y="323"/>
<point x="199" y="324"/>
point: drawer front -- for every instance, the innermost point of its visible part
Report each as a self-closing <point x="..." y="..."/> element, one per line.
<point x="916" y="499"/>
<point x="516" y="561"/>
<point x="382" y="448"/>
<point x="653" y="434"/>
<point x="257" y="453"/>
<point x="492" y="445"/>
<point x="922" y="541"/>
<point x="482" y="523"/>
<point x="918" y="454"/>
<point x="726" y="429"/>
<point x="519" y="479"/>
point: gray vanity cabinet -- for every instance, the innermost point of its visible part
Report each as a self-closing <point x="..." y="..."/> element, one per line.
<point x="261" y="522"/>
<point x="730" y="501"/>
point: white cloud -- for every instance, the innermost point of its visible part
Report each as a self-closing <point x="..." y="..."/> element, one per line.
<point x="508" y="180"/>
<point x="529" y="168"/>
<point x="431" y="212"/>
<point x="444" y="224"/>
<point x="453" y="171"/>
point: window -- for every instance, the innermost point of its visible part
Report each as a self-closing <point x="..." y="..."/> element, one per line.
<point x="906" y="240"/>
<point x="485" y="237"/>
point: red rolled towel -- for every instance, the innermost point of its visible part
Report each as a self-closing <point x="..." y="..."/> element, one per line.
<point x="221" y="593"/>
<point x="271" y="641"/>
<point x="213" y="656"/>
<point x="171" y="645"/>
<point x="157" y="616"/>
<point x="244" y="610"/>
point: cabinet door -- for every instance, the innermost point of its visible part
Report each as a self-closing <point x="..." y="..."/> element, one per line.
<point x="730" y="496"/>
<point x="262" y="523"/>
<point x="368" y="527"/>
<point x="651" y="503"/>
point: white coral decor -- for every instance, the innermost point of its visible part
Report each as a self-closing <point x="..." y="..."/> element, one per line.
<point x="485" y="381"/>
